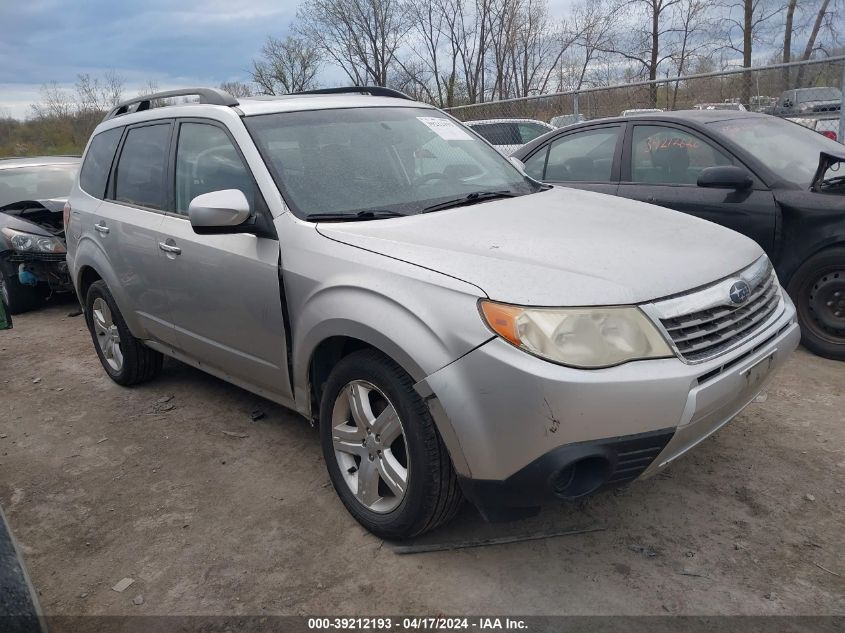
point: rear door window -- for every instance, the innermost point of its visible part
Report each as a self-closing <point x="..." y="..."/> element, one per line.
<point x="139" y="177"/>
<point x="583" y="156"/>
<point x="98" y="160"/>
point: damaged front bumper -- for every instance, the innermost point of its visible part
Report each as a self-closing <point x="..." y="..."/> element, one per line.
<point x="523" y="431"/>
<point x="31" y="269"/>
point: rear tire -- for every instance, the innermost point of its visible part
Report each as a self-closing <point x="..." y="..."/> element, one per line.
<point x="818" y="291"/>
<point x="18" y="297"/>
<point x="410" y="457"/>
<point x="125" y="358"/>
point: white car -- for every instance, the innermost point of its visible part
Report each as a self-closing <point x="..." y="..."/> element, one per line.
<point x="720" y="106"/>
<point x="825" y="125"/>
<point x="508" y="135"/>
<point x="641" y="111"/>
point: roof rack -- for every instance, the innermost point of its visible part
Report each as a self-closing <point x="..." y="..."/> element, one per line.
<point x="375" y="91"/>
<point x="211" y="96"/>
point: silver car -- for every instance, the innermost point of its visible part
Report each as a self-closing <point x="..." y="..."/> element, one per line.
<point x="456" y="329"/>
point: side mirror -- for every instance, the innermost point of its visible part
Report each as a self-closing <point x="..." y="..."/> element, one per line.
<point x="726" y="177"/>
<point x="517" y="163"/>
<point x="219" y="209"/>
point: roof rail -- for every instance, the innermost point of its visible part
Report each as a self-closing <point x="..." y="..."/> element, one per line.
<point x="211" y="96"/>
<point x="375" y="91"/>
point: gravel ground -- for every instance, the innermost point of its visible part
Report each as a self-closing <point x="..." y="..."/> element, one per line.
<point x="173" y="485"/>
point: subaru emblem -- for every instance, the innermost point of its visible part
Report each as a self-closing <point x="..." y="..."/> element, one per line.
<point x="739" y="292"/>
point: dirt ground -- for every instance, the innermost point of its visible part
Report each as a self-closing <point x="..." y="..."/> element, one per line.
<point x="101" y="482"/>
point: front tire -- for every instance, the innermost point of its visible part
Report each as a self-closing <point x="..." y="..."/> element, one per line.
<point x="384" y="455"/>
<point x="126" y="359"/>
<point x="18" y="297"/>
<point x="818" y="291"/>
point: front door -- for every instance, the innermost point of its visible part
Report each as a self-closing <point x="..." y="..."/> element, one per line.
<point x="661" y="166"/>
<point x="224" y="289"/>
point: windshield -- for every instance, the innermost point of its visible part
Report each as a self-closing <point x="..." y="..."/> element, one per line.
<point x="817" y="94"/>
<point x="788" y="149"/>
<point x="398" y="160"/>
<point x="40" y="182"/>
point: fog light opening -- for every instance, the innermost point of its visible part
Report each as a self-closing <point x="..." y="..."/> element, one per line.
<point x="581" y="477"/>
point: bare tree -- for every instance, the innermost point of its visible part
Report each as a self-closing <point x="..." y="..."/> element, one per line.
<point x="811" y="40"/>
<point x="749" y="20"/>
<point x="427" y="26"/>
<point x="149" y="87"/>
<point x="56" y="102"/>
<point x="537" y="46"/>
<point x="287" y="65"/>
<point x="592" y="25"/>
<point x="360" y="36"/>
<point x="692" y="22"/>
<point x="95" y="94"/>
<point x="237" y="88"/>
<point x="642" y="38"/>
<point x="787" y="40"/>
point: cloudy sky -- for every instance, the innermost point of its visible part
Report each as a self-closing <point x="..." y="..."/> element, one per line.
<point x="174" y="42"/>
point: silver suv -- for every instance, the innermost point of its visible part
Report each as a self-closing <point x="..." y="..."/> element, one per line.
<point x="455" y="328"/>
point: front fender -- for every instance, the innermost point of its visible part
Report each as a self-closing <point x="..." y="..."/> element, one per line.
<point x="421" y="339"/>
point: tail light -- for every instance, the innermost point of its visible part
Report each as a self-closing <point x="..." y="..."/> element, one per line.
<point x="829" y="134"/>
<point x="66" y="215"/>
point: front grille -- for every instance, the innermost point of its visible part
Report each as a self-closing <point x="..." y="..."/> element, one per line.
<point x="22" y="258"/>
<point x="700" y="334"/>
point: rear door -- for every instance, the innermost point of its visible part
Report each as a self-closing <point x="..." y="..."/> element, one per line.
<point x="126" y="224"/>
<point x="583" y="159"/>
<point x="661" y="164"/>
<point x="224" y="289"/>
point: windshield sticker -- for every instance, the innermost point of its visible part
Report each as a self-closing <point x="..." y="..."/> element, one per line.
<point x="444" y="128"/>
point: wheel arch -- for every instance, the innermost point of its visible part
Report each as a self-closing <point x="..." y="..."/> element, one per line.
<point x="91" y="264"/>
<point x="331" y="348"/>
<point x="787" y="270"/>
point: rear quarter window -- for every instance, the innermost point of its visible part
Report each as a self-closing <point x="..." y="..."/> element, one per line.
<point x="98" y="160"/>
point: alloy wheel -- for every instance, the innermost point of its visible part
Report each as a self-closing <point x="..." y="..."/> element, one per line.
<point x="108" y="336"/>
<point x="370" y="446"/>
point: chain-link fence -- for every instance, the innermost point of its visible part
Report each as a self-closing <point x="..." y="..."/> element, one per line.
<point x="808" y="92"/>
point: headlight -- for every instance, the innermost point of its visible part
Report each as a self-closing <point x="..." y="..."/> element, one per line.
<point x="578" y="337"/>
<point x="31" y="243"/>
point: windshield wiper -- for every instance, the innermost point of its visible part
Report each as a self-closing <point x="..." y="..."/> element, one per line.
<point x="475" y="196"/>
<point x="375" y="214"/>
<point x="836" y="181"/>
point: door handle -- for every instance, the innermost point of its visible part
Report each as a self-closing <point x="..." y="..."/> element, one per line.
<point x="169" y="248"/>
<point x="102" y="229"/>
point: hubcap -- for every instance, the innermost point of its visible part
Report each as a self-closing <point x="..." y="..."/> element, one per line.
<point x="369" y="446"/>
<point x="108" y="336"/>
<point x="827" y="303"/>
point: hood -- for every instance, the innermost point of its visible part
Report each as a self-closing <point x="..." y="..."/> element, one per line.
<point x="40" y="217"/>
<point x="561" y="247"/>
